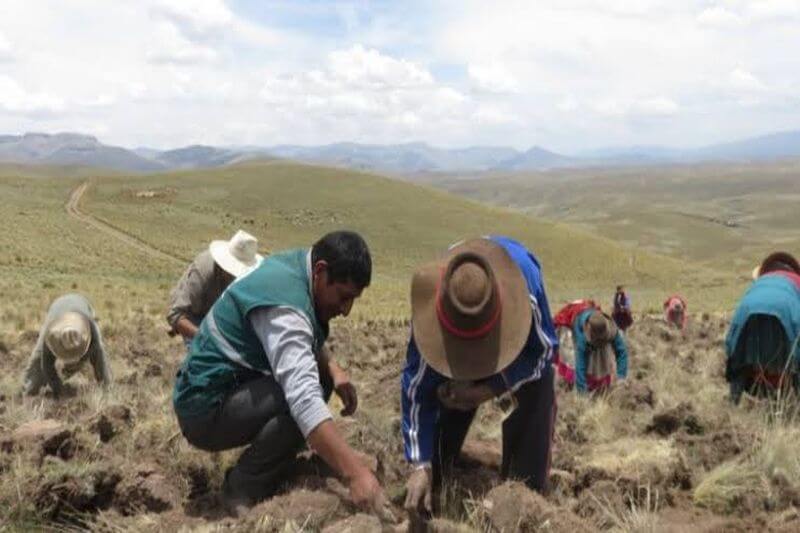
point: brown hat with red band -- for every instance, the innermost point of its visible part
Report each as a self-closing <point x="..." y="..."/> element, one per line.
<point x="471" y="310"/>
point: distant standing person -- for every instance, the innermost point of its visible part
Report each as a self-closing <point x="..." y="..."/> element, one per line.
<point x="69" y="335"/>
<point x="622" y="309"/>
<point x="675" y="311"/>
<point x="206" y="278"/>
<point x="762" y="342"/>
<point x="594" y="336"/>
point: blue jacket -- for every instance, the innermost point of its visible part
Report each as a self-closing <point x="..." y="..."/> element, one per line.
<point x="419" y="381"/>
<point x="771" y="294"/>
<point x="579" y="338"/>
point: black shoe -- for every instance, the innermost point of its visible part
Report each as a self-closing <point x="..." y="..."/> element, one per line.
<point x="235" y="499"/>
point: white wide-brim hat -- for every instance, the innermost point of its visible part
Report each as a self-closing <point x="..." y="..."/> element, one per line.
<point x="238" y="255"/>
<point x="68" y="337"/>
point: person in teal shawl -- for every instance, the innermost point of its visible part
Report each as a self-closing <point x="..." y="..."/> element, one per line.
<point x="762" y="342"/>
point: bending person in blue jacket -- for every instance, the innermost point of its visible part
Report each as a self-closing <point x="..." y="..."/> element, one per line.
<point x="481" y="327"/>
<point x="762" y="345"/>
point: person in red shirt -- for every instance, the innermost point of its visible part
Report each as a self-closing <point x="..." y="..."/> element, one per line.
<point x="675" y="311"/>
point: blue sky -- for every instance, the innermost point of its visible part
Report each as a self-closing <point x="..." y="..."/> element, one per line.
<point x="569" y="75"/>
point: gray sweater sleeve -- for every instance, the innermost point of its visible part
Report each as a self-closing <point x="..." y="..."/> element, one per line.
<point x="49" y="371"/>
<point x="34" y="379"/>
<point x="188" y="296"/>
<point x="288" y="340"/>
<point x="97" y="356"/>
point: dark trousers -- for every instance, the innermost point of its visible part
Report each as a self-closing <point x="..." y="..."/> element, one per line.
<point x="762" y="349"/>
<point x="254" y="414"/>
<point x="527" y="435"/>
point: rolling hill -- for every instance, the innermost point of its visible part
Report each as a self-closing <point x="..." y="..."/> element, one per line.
<point x="286" y="204"/>
<point x="725" y="215"/>
<point x="407" y="159"/>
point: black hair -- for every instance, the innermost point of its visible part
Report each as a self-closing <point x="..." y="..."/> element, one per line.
<point x="347" y="255"/>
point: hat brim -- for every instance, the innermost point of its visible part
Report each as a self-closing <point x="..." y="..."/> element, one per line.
<point x="611" y="331"/>
<point x="76" y="321"/>
<point x="471" y="359"/>
<point x="222" y="256"/>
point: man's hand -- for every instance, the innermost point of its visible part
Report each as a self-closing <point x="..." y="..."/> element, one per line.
<point x="463" y="396"/>
<point x="419" y="493"/>
<point x="344" y="389"/>
<point x="366" y="493"/>
<point x="186" y="328"/>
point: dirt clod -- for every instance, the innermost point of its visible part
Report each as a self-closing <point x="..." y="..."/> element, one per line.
<point x="669" y="421"/>
<point x="358" y="523"/>
<point x="148" y="489"/>
<point x="50" y="437"/>
<point x="307" y="508"/>
<point x="633" y="395"/>
<point x="81" y="491"/>
<point x="513" y="507"/>
<point x="153" y="370"/>
<point x="111" y="421"/>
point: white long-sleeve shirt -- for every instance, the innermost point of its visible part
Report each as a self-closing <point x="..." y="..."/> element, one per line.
<point x="288" y="341"/>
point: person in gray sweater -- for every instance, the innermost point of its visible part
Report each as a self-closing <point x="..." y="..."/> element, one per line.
<point x="69" y="335"/>
<point x="206" y="278"/>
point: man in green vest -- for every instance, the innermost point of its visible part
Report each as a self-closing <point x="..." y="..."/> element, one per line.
<point x="257" y="374"/>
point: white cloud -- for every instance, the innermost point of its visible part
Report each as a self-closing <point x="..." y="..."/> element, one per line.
<point x="492" y="114"/>
<point x="368" y="93"/>
<point x="197" y="18"/>
<point x="568" y="104"/>
<point x="656" y="106"/>
<point x="773" y="9"/>
<point x="367" y="68"/>
<point x="719" y="16"/>
<point x="16" y="99"/>
<point x="644" y="107"/>
<point x="744" y="81"/>
<point x="5" y="48"/>
<point x="170" y="46"/>
<point x="493" y="78"/>
<point x="565" y="74"/>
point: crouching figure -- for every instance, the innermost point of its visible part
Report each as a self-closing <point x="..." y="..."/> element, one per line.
<point x="481" y="327"/>
<point x="71" y="337"/>
<point x="762" y="341"/>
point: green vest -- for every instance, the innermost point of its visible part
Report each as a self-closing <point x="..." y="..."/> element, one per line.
<point x="226" y="350"/>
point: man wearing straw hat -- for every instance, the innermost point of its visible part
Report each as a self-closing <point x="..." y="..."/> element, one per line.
<point x="69" y="335"/>
<point x="206" y="278"/>
<point x="763" y="341"/>
<point x="481" y="327"/>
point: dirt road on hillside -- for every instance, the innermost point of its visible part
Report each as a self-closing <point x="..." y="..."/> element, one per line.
<point x="73" y="209"/>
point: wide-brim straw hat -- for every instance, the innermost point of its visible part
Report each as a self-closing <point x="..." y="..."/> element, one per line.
<point x="599" y="329"/>
<point x="784" y="259"/>
<point x="68" y="337"/>
<point x="471" y="310"/>
<point x="238" y="255"/>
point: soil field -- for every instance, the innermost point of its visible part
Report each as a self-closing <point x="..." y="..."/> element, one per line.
<point x="662" y="452"/>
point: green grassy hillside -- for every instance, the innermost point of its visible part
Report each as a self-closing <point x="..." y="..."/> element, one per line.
<point x="724" y="216"/>
<point x="286" y="205"/>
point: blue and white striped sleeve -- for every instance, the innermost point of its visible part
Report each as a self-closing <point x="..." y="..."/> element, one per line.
<point x="420" y="406"/>
<point x="540" y="347"/>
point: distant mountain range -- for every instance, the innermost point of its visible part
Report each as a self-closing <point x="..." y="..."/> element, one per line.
<point x="411" y="158"/>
